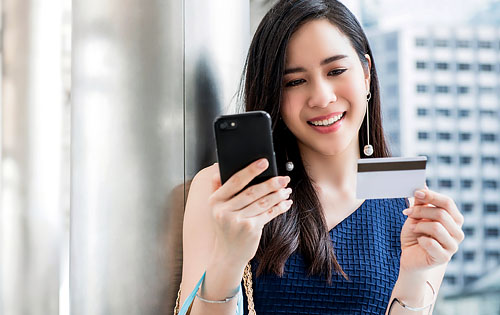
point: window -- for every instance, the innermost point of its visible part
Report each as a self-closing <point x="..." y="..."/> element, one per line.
<point x="486" y="89"/>
<point x="421" y="65"/>
<point x="420" y="42"/>
<point x="445" y="183"/>
<point x="463" y="90"/>
<point x="450" y="280"/>
<point x="469" y="255"/>
<point x="465" y="160"/>
<point x="442" y="89"/>
<point x="488" y="137"/>
<point x="467" y="207"/>
<point x="468" y="231"/>
<point x="488" y="112"/>
<point x="444" y="136"/>
<point x="492" y="255"/>
<point x="490" y="184"/>
<point x="422" y="112"/>
<point x="489" y="160"/>
<point x="441" y="43"/>
<point x="491" y="232"/>
<point x="465" y="136"/>
<point x="393" y="113"/>
<point x="470" y="279"/>
<point x="392" y="66"/>
<point x="491" y="208"/>
<point x="485" y="44"/>
<point x="422" y="135"/>
<point x="464" y="66"/>
<point x="463" y="43"/>
<point x="443" y="112"/>
<point x="391" y="43"/>
<point x="421" y="88"/>
<point x="486" y="67"/>
<point x="444" y="159"/>
<point x="441" y="66"/>
<point x="464" y="113"/>
<point x="466" y="183"/>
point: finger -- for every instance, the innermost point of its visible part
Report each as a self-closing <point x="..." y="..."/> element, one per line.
<point x="436" y="231"/>
<point x="265" y="203"/>
<point x="434" y="249"/>
<point x="436" y="214"/>
<point x="427" y="196"/>
<point x="263" y="218"/>
<point x="257" y="192"/>
<point x="240" y="179"/>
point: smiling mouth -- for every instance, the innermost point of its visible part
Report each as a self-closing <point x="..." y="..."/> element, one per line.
<point x="326" y="122"/>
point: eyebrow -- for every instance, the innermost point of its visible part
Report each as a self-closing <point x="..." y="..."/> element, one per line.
<point x="322" y="63"/>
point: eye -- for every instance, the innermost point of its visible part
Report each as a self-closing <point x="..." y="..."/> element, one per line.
<point x="336" y="72"/>
<point x="295" y="82"/>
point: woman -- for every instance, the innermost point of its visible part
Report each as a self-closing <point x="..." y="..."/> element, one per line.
<point x="314" y="248"/>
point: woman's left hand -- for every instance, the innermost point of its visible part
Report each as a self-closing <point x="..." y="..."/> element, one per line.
<point x="432" y="232"/>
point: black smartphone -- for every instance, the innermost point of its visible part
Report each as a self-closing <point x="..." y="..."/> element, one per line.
<point x="242" y="139"/>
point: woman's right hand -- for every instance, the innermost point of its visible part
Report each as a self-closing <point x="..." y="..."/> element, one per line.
<point x="238" y="218"/>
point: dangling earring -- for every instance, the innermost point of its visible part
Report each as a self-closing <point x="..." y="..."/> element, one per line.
<point x="289" y="164"/>
<point x="368" y="149"/>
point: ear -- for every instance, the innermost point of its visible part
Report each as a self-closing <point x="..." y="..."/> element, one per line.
<point x="367" y="73"/>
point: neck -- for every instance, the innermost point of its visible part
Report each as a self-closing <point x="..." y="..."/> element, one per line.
<point x="333" y="172"/>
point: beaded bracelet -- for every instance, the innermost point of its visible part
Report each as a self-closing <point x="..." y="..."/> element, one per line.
<point x="415" y="309"/>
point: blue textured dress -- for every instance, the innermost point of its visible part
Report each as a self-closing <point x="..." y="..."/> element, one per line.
<point x="368" y="248"/>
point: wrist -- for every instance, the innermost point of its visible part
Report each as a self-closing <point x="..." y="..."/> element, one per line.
<point x="222" y="278"/>
<point x="413" y="289"/>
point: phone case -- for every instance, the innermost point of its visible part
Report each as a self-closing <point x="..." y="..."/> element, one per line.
<point x="242" y="139"/>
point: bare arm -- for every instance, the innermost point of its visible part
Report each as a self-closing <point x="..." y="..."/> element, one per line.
<point x="430" y="236"/>
<point x="222" y="230"/>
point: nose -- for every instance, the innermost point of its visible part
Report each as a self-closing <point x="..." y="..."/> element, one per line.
<point x="321" y="94"/>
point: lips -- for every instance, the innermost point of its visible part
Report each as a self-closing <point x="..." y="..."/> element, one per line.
<point x="326" y="120"/>
<point x="328" y="123"/>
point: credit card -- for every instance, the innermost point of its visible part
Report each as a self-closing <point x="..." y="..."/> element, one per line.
<point x="394" y="177"/>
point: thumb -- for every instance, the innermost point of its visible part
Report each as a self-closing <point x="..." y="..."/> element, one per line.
<point x="216" y="182"/>
<point x="421" y="196"/>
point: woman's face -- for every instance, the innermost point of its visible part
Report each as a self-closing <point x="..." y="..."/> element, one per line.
<point x="325" y="88"/>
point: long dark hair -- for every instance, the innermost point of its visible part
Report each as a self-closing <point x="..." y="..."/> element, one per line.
<point x="303" y="227"/>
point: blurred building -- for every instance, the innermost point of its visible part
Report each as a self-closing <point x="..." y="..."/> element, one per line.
<point x="440" y="90"/>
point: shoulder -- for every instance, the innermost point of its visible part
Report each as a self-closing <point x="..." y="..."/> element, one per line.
<point x="201" y="185"/>
<point x="200" y="189"/>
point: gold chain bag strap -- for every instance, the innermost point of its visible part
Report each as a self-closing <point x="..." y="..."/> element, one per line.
<point x="247" y="282"/>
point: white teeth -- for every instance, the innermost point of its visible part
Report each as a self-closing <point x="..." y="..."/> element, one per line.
<point x="327" y="122"/>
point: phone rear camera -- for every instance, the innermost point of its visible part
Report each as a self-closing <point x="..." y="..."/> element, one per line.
<point x="228" y="125"/>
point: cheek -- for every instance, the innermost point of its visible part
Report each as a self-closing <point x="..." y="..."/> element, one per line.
<point x="289" y="107"/>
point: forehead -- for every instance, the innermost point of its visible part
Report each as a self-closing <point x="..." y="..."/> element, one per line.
<point x="317" y="39"/>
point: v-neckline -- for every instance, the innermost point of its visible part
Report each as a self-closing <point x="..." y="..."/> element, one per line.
<point x="349" y="216"/>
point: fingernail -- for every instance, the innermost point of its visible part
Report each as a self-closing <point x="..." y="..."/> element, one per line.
<point x="262" y="163"/>
<point x="407" y="211"/>
<point x="419" y="194"/>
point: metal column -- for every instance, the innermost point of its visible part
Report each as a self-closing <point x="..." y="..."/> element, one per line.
<point x="31" y="209"/>
<point x="148" y="79"/>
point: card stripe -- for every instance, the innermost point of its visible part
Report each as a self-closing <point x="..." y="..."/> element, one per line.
<point x="391" y="166"/>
